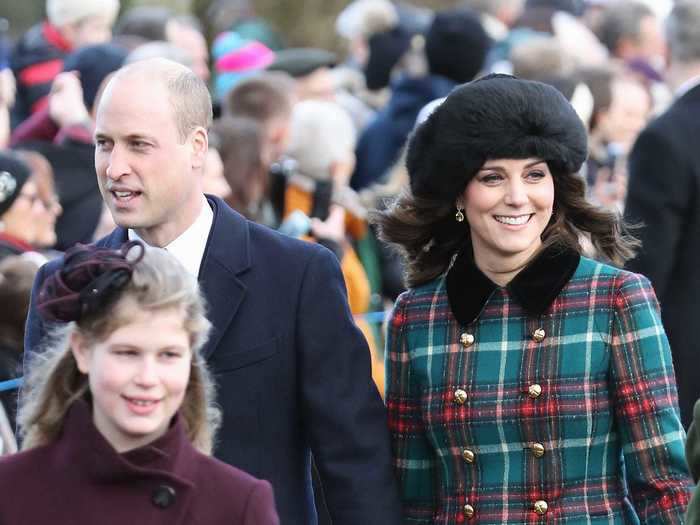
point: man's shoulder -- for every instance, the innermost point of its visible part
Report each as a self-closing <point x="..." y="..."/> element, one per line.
<point x="108" y="241"/>
<point x="262" y="236"/>
<point x="684" y="111"/>
<point x="261" y="239"/>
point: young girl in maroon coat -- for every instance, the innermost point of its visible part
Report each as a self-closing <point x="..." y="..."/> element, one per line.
<point x="116" y="418"/>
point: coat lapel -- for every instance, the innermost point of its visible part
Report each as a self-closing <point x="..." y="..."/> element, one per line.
<point x="115" y="239"/>
<point x="534" y="288"/>
<point x="226" y="257"/>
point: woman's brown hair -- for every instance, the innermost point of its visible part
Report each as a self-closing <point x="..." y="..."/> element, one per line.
<point x="427" y="235"/>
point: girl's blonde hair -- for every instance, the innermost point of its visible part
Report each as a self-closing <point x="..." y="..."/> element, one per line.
<point x="53" y="381"/>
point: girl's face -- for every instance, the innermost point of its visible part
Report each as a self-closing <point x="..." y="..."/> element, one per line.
<point x="138" y="375"/>
<point x="508" y="204"/>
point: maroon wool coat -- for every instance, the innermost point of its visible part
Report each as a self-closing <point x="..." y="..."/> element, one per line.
<point x="80" y="479"/>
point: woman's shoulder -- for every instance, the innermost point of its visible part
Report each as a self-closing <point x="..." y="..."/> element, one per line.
<point x="604" y="275"/>
<point x="429" y="288"/>
<point x="234" y="492"/>
<point x="224" y="477"/>
<point x="28" y="469"/>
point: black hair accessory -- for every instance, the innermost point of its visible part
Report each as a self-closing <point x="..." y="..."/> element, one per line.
<point x="88" y="282"/>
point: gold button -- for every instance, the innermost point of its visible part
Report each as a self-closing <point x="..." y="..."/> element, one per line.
<point x="468" y="455"/>
<point x="466" y="339"/>
<point x="541" y="507"/>
<point x="537" y="450"/>
<point x="468" y="511"/>
<point x="534" y="391"/>
<point x="460" y="396"/>
<point x="538" y="335"/>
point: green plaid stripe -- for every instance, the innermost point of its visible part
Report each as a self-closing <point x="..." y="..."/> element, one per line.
<point x="608" y="399"/>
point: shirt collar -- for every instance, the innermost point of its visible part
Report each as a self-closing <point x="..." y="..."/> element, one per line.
<point x="534" y="288"/>
<point x="188" y="248"/>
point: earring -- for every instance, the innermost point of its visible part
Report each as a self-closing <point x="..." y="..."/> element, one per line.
<point x="459" y="216"/>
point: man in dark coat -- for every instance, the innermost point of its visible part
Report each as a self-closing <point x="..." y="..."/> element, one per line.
<point x="292" y="370"/>
<point x="664" y="195"/>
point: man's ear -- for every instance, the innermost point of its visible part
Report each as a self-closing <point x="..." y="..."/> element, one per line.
<point x="199" y="141"/>
<point x="79" y="348"/>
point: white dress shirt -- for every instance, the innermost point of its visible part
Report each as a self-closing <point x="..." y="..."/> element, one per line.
<point x="189" y="246"/>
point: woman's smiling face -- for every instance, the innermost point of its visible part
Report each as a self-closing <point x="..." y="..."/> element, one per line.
<point x="508" y="204"/>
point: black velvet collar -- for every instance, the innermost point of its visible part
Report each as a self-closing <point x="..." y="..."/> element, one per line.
<point x="534" y="288"/>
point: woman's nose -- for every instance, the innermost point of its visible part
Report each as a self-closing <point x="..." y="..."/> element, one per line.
<point x="516" y="193"/>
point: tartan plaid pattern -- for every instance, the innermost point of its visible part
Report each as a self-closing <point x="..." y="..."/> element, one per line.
<point x="607" y="414"/>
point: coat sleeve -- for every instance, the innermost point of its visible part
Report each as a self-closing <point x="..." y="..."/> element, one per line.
<point x="414" y="461"/>
<point x="34" y="330"/>
<point x="260" y="507"/>
<point x="345" y="418"/>
<point x="658" y="199"/>
<point x="646" y="405"/>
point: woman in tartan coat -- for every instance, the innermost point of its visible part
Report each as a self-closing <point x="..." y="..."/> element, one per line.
<point x="526" y="383"/>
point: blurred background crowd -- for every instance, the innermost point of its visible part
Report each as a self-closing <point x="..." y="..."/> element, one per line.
<point x="313" y="102"/>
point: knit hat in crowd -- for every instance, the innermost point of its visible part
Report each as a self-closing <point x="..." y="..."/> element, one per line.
<point x="495" y="117"/>
<point x="14" y="173"/>
<point x="385" y="50"/>
<point x="62" y="12"/>
<point x="456" y="45"/>
<point x="94" y="63"/>
<point x="236" y="58"/>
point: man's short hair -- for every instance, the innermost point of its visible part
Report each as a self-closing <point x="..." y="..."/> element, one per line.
<point x="191" y="101"/>
<point x="683" y="31"/>
<point x="262" y="97"/>
<point x="621" y="19"/>
<point x="188" y="94"/>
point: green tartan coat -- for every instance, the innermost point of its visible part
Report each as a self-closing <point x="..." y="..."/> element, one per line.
<point x="550" y="400"/>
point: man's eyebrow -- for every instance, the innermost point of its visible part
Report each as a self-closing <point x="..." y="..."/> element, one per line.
<point x="130" y="136"/>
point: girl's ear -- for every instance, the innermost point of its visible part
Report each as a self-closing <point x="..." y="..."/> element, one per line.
<point x="78" y="346"/>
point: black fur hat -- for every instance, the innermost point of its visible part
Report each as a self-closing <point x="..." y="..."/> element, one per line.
<point x="497" y="116"/>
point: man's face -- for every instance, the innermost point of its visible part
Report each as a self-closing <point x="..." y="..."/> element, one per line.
<point x="145" y="171"/>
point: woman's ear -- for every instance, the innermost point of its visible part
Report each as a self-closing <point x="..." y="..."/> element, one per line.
<point x="78" y="345"/>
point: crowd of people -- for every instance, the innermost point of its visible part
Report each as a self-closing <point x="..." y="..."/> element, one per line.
<point x="202" y="229"/>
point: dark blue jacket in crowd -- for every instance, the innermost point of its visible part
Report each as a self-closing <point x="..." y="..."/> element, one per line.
<point x="380" y="144"/>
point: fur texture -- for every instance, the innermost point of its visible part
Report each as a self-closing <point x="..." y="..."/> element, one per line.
<point x="497" y="116"/>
